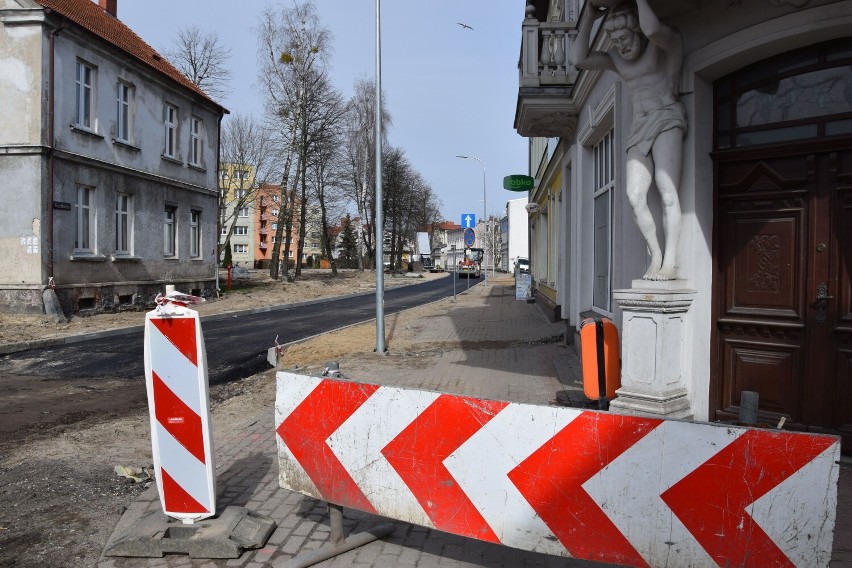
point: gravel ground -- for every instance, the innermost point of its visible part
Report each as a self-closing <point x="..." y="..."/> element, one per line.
<point x="60" y="496"/>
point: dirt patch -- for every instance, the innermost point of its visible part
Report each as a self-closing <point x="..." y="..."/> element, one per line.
<point x="60" y="497"/>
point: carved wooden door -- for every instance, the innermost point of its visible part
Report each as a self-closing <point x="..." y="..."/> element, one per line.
<point x="783" y="297"/>
<point x="782" y="241"/>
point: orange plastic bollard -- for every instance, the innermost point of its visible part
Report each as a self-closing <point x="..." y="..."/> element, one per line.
<point x="600" y="359"/>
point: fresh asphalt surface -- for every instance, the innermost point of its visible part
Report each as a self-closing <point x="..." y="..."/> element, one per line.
<point x="236" y="345"/>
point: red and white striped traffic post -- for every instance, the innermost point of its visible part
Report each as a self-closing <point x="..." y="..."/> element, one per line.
<point x="176" y="379"/>
<point x="599" y="486"/>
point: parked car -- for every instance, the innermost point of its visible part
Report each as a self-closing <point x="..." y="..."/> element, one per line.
<point x="522" y="266"/>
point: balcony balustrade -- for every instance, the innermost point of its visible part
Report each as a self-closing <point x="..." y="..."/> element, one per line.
<point x="546" y="82"/>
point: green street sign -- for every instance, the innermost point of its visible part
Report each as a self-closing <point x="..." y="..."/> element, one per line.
<point x="518" y="183"/>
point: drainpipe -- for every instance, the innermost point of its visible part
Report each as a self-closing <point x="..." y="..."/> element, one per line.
<point x="50" y="140"/>
<point x="218" y="189"/>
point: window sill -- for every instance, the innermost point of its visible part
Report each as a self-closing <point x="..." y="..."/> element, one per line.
<point x="87" y="257"/>
<point x="85" y="131"/>
<point x="126" y="145"/>
<point x="196" y="167"/>
<point x="125" y="258"/>
<point x="170" y="159"/>
<point x="171" y="258"/>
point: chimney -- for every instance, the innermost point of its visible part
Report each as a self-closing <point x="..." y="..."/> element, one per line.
<point x="109" y="6"/>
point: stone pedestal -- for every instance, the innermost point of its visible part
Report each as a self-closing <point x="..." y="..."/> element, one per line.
<point x="655" y="358"/>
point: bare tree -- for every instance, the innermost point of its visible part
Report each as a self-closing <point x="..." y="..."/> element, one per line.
<point x="325" y="162"/>
<point x="293" y="48"/>
<point x="245" y="156"/>
<point x="203" y="59"/>
<point x="410" y="204"/>
<point x="361" y="159"/>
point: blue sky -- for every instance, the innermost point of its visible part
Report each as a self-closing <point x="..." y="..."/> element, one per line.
<point x="449" y="90"/>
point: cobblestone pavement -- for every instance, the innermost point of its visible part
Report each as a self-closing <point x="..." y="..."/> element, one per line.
<point x="493" y="346"/>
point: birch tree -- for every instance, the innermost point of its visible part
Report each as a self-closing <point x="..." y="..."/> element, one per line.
<point x="361" y="160"/>
<point x="293" y="50"/>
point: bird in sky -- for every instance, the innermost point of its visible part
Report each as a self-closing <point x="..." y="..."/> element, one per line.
<point x="464" y="25"/>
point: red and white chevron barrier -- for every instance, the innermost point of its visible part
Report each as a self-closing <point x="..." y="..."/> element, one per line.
<point x="176" y="378"/>
<point x="585" y="484"/>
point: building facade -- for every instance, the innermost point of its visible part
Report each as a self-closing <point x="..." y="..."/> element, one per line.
<point x="514" y="228"/>
<point x="109" y="161"/>
<point x="763" y="272"/>
<point x="238" y="213"/>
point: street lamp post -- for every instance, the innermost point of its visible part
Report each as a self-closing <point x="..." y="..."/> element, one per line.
<point x="484" y="216"/>
<point x="380" y="221"/>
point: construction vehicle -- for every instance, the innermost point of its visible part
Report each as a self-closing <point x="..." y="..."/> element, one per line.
<point x="470" y="266"/>
<point x="424" y="252"/>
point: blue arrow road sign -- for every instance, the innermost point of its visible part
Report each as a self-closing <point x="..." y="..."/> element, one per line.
<point x="469" y="237"/>
<point x="468" y="220"/>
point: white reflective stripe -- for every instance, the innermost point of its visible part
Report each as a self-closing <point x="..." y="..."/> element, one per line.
<point x="636" y="479"/>
<point x="359" y="442"/>
<point x="175" y="370"/>
<point x="291" y="390"/>
<point x="806" y="542"/>
<point x="482" y="464"/>
<point x="188" y="472"/>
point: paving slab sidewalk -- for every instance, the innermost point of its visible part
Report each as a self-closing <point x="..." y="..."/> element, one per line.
<point x="488" y="345"/>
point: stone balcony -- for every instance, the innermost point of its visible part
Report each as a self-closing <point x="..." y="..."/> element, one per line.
<point x="546" y="78"/>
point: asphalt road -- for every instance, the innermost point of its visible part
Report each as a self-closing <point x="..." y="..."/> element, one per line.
<point x="236" y="346"/>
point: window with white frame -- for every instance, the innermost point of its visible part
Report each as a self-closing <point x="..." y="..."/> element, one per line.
<point x="241" y="230"/>
<point x="123" y="223"/>
<point x="85" y="87"/>
<point x="241" y="193"/>
<point x="243" y="212"/>
<point x="195" y="233"/>
<point x="195" y="141"/>
<point x="240" y="249"/>
<point x="170" y="122"/>
<point x="224" y="231"/>
<point x="122" y="116"/>
<point x="84" y="233"/>
<point x="170" y="231"/>
<point x="275" y="199"/>
<point x="604" y="183"/>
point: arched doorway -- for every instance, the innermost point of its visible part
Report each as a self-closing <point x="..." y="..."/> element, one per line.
<point x="782" y="300"/>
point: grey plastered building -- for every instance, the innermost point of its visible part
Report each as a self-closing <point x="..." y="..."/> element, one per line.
<point x="108" y="157"/>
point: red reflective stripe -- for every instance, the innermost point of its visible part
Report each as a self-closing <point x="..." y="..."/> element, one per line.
<point x="711" y="501"/>
<point x="551" y="480"/>
<point x="177" y="500"/>
<point x="181" y="333"/>
<point x="307" y="428"/>
<point x="178" y="419"/>
<point x="417" y="454"/>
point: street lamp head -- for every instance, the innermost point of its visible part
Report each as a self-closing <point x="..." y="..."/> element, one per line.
<point x="460" y="156"/>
